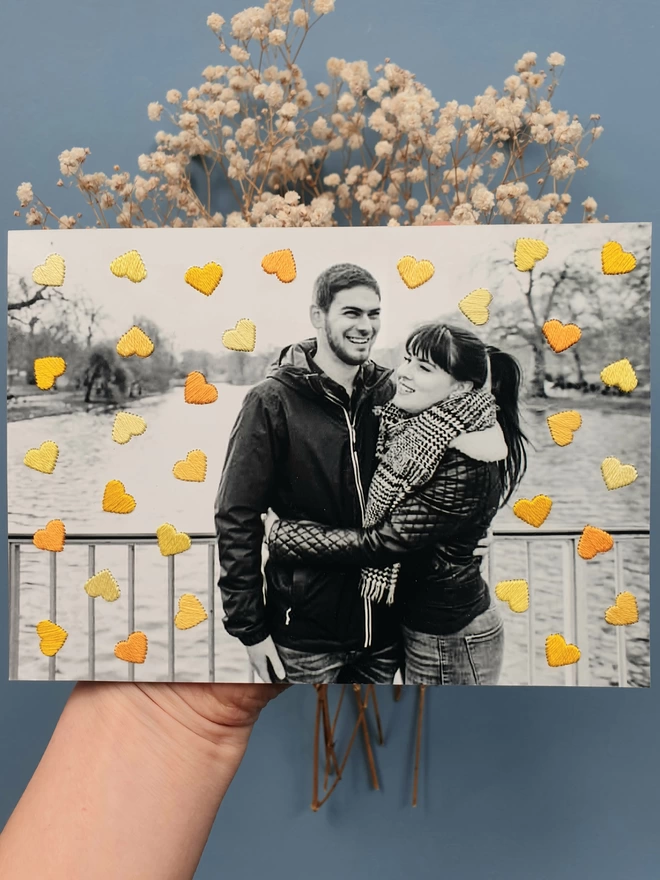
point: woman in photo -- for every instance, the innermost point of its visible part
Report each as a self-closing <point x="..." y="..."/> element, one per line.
<point x="450" y="453"/>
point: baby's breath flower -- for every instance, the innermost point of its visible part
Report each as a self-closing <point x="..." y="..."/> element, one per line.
<point x="276" y="37"/>
<point x="67" y="222"/>
<point x="335" y="66"/>
<point x="215" y="22"/>
<point x="556" y="59"/>
<point x="590" y="204"/>
<point x="154" y="109"/>
<point x="323" y="7"/>
<point x="562" y="167"/>
<point x="332" y="180"/>
<point x="300" y="18"/>
<point x="24" y="194"/>
<point x="173" y="96"/>
<point x="34" y="217"/>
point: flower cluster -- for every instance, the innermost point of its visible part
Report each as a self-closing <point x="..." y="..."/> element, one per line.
<point x="363" y="148"/>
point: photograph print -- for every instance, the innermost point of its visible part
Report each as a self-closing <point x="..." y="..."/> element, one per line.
<point x="409" y="455"/>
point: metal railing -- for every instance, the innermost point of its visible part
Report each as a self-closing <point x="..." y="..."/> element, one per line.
<point x="574" y="599"/>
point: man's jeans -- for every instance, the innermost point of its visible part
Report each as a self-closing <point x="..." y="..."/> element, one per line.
<point x="360" y="667"/>
<point x="473" y="655"/>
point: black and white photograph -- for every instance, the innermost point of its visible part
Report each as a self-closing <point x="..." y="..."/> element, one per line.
<point x="410" y="455"/>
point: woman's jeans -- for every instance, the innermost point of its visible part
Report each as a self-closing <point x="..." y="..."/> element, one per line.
<point x="473" y="655"/>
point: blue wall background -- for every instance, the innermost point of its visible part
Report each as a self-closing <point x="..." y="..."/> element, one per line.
<point x="517" y="783"/>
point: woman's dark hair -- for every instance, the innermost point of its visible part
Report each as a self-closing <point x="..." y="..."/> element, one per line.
<point x="464" y="356"/>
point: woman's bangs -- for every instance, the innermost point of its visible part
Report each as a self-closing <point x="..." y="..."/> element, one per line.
<point x="430" y="343"/>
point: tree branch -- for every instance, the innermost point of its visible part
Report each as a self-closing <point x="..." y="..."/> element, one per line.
<point x="24" y="304"/>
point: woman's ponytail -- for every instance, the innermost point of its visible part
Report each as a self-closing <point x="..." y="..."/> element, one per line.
<point x="506" y="379"/>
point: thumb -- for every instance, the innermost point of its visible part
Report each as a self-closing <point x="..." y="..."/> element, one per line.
<point x="278" y="668"/>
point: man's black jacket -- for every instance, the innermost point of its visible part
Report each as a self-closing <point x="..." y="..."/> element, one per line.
<point x="302" y="447"/>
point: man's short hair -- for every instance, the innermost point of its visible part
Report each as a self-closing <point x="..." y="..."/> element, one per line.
<point x="341" y="276"/>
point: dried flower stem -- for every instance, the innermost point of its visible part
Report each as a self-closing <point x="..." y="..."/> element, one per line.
<point x="418" y="741"/>
<point x="362" y="721"/>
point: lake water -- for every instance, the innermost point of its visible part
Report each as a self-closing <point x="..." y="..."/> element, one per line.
<point x="89" y="458"/>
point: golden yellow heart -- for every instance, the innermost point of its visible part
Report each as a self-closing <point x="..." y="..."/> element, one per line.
<point x="104" y="585"/>
<point x="475" y="306"/>
<point x="615" y="260"/>
<point x="534" y="512"/>
<point x="559" y="653"/>
<point x="617" y="475"/>
<point x="527" y="253"/>
<point x="561" y="336"/>
<point x="50" y="273"/>
<point x="46" y="370"/>
<point x="593" y="541"/>
<point x="192" y="468"/>
<point x="133" y="649"/>
<point x="414" y="272"/>
<point x="135" y="341"/>
<point x="44" y="458"/>
<point x="116" y="499"/>
<point x="52" y="637"/>
<point x="242" y="338"/>
<point x="624" y="611"/>
<point x="563" y="425"/>
<point x="129" y="265"/>
<point x="620" y="374"/>
<point x="52" y="537"/>
<point x="204" y="278"/>
<point x="190" y="613"/>
<point x="516" y="593"/>
<point x="281" y="264"/>
<point x="172" y="542"/>
<point x="127" y="425"/>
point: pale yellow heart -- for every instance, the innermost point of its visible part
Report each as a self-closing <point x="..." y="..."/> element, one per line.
<point x="204" y="278"/>
<point x="414" y="272"/>
<point x="242" y="338"/>
<point x="593" y="541"/>
<point x="559" y="653"/>
<point x="135" y="341"/>
<point x="516" y="593"/>
<point x="534" y="512"/>
<point x="104" y="585"/>
<point x="52" y="537"/>
<point x="624" y="611"/>
<point x="561" y="336"/>
<point x="133" y="649"/>
<point x="129" y="265"/>
<point x="563" y="425"/>
<point x="52" y="637"/>
<point x="527" y="253"/>
<point x="617" y="475"/>
<point x="620" y="374"/>
<point x="281" y="264"/>
<point x="615" y="260"/>
<point x="475" y="305"/>
<point x="44" y="458"/>
<point x="50" y="273"/>
<point x="172" y="542"/>
<point x="192" y="468"/>
<point x="46" y="370"/>
<point x="116" y="499"/>
<point x="190" y="613"/>
<point x="127" y="425"/>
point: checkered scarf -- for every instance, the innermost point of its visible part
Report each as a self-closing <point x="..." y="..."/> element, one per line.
<point x="409" y="451"/>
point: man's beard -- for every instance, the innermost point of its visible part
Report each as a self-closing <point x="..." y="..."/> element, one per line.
<point x="337" y="348"/>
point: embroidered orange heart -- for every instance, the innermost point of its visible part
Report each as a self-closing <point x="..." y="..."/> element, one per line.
<point x="563" y="425"/>
<point x="620" y="374"/>
<point x="52" y="637"/>
<point x="615" y="260"/>
<point x="135" y="341"/>
<point x="204" y="278"/>
<point x="281" y="264"/>
<point x="192" y="468"/>
<point x="46" y="370"/>
<point x="527" y="253"/>
<point x="561" y="336"/>
<point x="516" y="593"/>
<point x="624" y="611"/>
<point x="50" y="273"/>
<point x="593" y="541"/>
<point x="43" y="458"/>
<point x="103" y="584"/>
<point x="534" y="512"/>
<point x="191" y="612"/>
<point x="116" y="499"/>
<point x="133" y="649"/>
<point x="617" y="475"/>
<point x="198" y="390"/>
<point x="559" y="653"/>
<point x="172" y="542"/>
<point x="129" y="265"/>
<point x="414" y="272"/>
<point x="52" y="537"/>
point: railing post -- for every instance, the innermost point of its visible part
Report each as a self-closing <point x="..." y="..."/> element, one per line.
<point x="211" y="605"/>
<point x="170" y="618"/>
<point x="53" y="606"/>
<point x="131" y="602"/>
<point x="91" y="617"/>
<point x="622" y="656"/>
<point x="569" y="587"/>
<point x="531" y="641"/>
<point x="14" y="607"/>
<point x="581" y="619"/>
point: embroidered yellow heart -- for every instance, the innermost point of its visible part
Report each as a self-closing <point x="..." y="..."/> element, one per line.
<point x="133" y="649"/>
<point x="620" y="374"/>
<point x="52" y="637"/>
<point x="43" y="458"/>
<point x="50" y="273"/>
<point x="104" y="585"/>
<point x="129" y="265"/>
<point x="192" y="468"/>
<point x="617" y="475"/>
<point x="624" y="611"/>
<point x="615" y="260"/>
<point x="534" y="512"/>
<point x="593" y="541"/>
<point x="116" y="499"/>
<point x="527" y="252"/>
<point x="281" y="264"/>
<point x="516" y="593"/>
<point x="204" y="278"/>
<point x="242" y="338"/>
<point x="559" y="653"/>
<point x="172" y="542"/>
<point x="563" y="425"/>
<point x="190" y="613"/>
<point x="198" y="390"/>
<point x="414" y="272"/>
<point x="52" y="537"/>
<point x="475" y="306"/>
<point x="46" y="370"/>
<point x="127" y="425"/>
<point x="561" y="336"/>
<point x="135" y="341"/>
